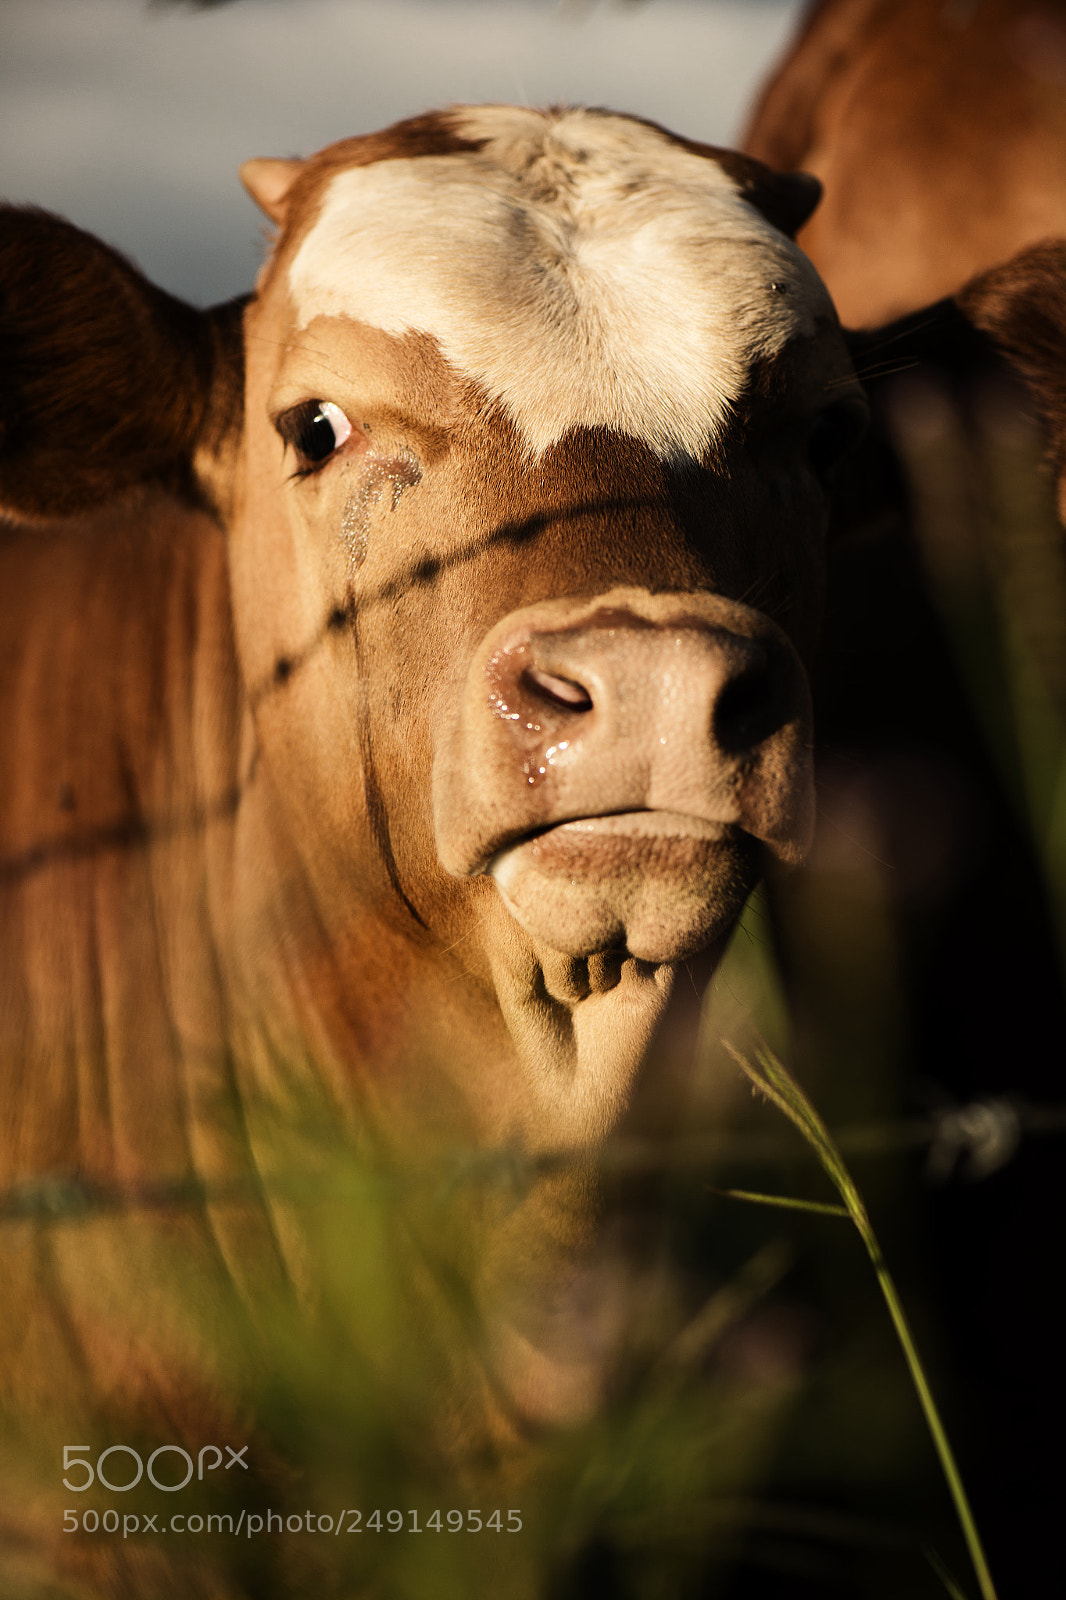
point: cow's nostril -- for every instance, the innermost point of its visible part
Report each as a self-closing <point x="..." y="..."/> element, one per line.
<point x="562" y="692"/>
<point x="750" y="708"/>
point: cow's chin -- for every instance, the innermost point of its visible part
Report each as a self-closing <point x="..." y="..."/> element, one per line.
<point x="656" y="885"/>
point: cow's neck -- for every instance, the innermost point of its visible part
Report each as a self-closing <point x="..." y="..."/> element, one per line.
<point x="477" y="1039"/>
<point x="117" y="814"/>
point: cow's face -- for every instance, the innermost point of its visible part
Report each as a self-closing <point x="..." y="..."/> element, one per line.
<point x="528" y="537"/>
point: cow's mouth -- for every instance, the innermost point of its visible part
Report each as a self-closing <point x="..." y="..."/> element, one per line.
<point x="659" y="884"/>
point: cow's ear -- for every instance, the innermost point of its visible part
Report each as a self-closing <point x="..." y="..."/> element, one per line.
<point x="785" y="199"/>
<point x="268" y="182"/>
<point x="106" y="382"/>
<point x="1021" y="306"/>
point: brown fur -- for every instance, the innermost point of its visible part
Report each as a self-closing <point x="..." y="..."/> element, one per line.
<point x="938" y="128"/>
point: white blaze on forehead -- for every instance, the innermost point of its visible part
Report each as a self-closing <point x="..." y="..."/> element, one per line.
<point x="586" y="270"/>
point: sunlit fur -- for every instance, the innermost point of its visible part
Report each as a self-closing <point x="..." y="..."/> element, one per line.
<point x="594" y="272"/>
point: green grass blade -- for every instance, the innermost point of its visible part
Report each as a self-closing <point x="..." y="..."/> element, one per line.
<point x="782" y="1201"/>
<point x="772" y="1079"/>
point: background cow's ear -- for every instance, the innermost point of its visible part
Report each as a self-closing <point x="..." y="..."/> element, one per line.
<point x="268" y="182"/>
<point x="1021" y="306"/>
<point x="106" y="382"/>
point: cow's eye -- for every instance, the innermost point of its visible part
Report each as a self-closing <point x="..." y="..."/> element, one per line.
<point x="315" y="430"/>
<point x="834" y="434"/>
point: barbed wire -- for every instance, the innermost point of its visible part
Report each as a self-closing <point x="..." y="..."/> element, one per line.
<point x="971" y="1141"/>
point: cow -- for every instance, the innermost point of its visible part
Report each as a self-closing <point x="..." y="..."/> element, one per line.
<point x="938" y="128"/>
<point x="405" y="670"/>
<point x="940" y="133"/>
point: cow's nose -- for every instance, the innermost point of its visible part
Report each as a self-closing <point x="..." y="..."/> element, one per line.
<point x="636" y="690"/>
<point x="755" y="702"/>
<point x="686" y="713"/>
<point x="561" y="694"/>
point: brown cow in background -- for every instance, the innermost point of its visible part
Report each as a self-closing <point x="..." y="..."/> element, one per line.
<point x="939" y="130"/>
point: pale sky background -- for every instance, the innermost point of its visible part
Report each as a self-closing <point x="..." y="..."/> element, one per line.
<point x="131" y="117"/>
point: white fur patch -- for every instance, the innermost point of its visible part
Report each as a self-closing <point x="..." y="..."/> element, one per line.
<point x="584" y="269"/>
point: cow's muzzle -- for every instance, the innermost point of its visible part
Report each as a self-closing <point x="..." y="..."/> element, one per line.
<point x="620" y="765"/>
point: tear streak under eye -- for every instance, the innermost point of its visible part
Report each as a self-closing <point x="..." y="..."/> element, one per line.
<point x="379" y="481"/>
